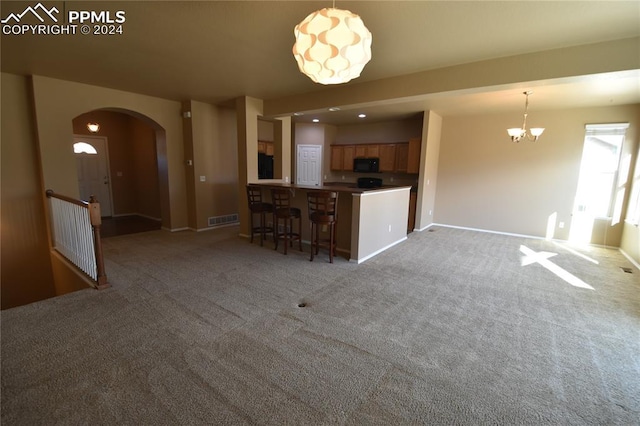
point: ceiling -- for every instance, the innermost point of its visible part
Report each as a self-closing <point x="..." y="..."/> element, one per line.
<point x="215" y="51"/>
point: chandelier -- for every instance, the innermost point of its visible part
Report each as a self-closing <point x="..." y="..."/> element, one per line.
<point x="332" y="46"/>
<point x="521" y="133"/>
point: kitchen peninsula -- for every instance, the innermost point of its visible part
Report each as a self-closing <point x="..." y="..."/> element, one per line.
<point x="370" y="220"/>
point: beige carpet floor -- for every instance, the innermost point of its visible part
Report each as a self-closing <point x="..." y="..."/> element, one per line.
<point x="450" y="327"/>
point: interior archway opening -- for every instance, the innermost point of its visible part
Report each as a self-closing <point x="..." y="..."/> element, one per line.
<point x="129" y="174"/>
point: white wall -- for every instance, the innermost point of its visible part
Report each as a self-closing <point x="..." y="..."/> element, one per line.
<point x="378" y="221"/>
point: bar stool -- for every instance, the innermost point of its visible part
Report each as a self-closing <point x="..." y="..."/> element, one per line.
<point x="323" y="210"/>
<point x="257" y="206"/>
<point x="282" y="209"/>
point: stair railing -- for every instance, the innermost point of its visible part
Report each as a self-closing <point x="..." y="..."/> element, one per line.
<point x="76" y="234"/>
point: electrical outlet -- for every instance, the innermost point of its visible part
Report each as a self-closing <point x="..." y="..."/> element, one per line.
<point x="389" y="228"/>
<point x="429" y="212"/>
<point x="203" y="178"/>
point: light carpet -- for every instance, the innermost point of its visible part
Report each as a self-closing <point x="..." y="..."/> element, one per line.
<point x="450" y="327"/>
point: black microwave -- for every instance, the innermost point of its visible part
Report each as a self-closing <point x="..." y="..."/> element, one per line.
<point x="366" y="165"/>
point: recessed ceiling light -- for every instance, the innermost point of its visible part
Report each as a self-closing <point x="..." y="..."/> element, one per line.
<point x="315" y="120"/>
<point x="298" y="114"/>
<point x="362" y="115"/>
<point x="334" y="109"/>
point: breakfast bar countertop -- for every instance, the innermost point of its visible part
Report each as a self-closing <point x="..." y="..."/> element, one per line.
<point x="350" y="187"/>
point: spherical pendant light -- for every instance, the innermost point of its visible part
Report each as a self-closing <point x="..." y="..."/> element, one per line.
<point x="332" y="46"/>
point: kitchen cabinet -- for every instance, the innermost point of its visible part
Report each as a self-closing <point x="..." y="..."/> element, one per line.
<point x="265" y="147"/>
<point x="337" y="152"/>
<point x="342" y="157"/>
<point x="399" y="157"/>
<point x="402" y="157"/>
<point x="348" y="154"/>
<point x="387" y="155"/>
<point x="373" y="151"/>
<point x="413" y="163"/>
<point x="367" y="151"/>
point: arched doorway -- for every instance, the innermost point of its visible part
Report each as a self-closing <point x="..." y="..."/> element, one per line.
<point x="134" y="184"/>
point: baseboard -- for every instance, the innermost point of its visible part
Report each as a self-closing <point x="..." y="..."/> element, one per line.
<point x="175" y="229"/>
<point x="630" y="259"/>
<point x="359" y="261"/>
<point x="511" y="234"/>
<point x="424" y="228"/>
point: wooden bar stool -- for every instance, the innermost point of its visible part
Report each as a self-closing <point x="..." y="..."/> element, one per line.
<point x="257" y="206"/>
<point x="323" y="210"/>
<point x="282" y="210"/>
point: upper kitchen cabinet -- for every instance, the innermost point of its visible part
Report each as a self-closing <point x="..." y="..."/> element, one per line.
<point x="402" y="157"/>
<point x="399" y="157"/>
<point x="367" y="151"/>
<point x="342" y="157"/>
<point x="387" y="155"/>
<point x="348" y="154"/>
<point x="413" y="163"/>
<point x="265" y="147"/>
<point x="337" y="153"/>
<point x="373" y="151"/>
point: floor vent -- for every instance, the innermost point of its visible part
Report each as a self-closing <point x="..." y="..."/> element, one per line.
<point x="223" y="220"/>
<point x="627" y="270"/>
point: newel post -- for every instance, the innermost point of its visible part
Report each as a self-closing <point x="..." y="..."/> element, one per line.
<point x="96" y="222"/>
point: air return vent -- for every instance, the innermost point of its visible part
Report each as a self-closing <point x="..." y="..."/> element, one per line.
<point x="225" y="220"/>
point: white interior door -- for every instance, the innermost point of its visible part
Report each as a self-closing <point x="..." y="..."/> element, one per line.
<point x="309" y="165"/>
<point x="93" y="170"/>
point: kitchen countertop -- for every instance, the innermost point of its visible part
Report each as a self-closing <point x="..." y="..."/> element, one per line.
<point x="350" y="187"/>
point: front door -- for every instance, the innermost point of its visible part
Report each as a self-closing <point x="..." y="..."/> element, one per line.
<point x="309" y="165"/>
<point x="93" y="170"/>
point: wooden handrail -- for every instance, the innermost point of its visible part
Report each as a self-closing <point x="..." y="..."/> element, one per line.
<point x="81" y="203"/>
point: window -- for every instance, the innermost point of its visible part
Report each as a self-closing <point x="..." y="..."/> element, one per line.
<point x="600" y="192"/>
<point x="83" y="148"/>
